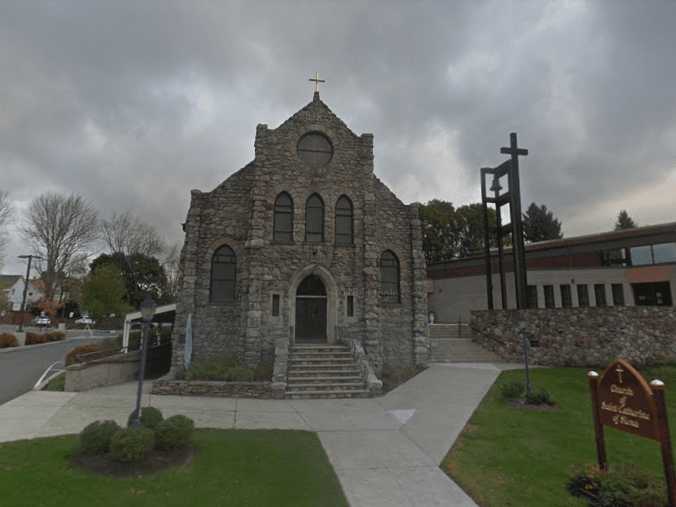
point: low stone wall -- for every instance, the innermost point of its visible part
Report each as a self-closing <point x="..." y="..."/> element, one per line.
<point x="217" y="389"/>
<point x="107" y="371"/>
<point x="580" y="336"/>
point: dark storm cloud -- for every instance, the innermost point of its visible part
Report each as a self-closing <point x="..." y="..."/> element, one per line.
<point x="134" y="103"/>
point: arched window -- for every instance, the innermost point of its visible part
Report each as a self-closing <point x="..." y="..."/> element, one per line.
<point x="389" y="277"/>
<point x="223" y="275"/>
<point x="314" y="219"/>
<point x="283" y="219"/>
<point x="344" y="221"/>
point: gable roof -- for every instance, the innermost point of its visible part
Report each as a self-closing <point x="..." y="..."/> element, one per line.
<point x="6" y="281"/>
<point x="317" y="104"/>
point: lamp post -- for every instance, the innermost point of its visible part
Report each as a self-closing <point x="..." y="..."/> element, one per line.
<point x="147" y="312"/>
<point x="25" y="286"/>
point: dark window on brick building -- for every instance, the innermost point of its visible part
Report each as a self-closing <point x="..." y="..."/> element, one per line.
<point x="223" y="275"/>
<point x="600" y="294"/>
<point x="582" y="295"/>
<point x="389" y="277"/>
<point x="314" y="219"/>
<point x="283" y="219"/>
<point x="350" y="306"/>
<point x="275" y="305"/>
<point x="618" y="294"/>
<point x="566" y="296"/>
<point x="344" y="221"/>
<point x="549" y="296"/>
<point x="532" y="296"/>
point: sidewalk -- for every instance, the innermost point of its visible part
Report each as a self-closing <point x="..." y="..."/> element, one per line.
<point x="386" y="451"/>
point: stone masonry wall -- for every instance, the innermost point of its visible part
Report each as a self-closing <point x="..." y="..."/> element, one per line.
<point x="240" y="213"/>
<point x="580" y="336"/>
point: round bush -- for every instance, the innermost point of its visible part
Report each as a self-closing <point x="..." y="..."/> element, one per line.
<point x="174" y="432"/>
<point x="95" y="438"/>
<point x="8" y="340"/>
<point x="131" y="445"/>
<point x="150" y="417"/>
<point x="35" y="338"/>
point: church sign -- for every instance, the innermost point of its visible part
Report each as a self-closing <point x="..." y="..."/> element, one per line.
<point x="622" y="399"/>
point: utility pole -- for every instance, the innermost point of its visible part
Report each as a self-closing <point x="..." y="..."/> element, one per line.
<point x="25" y="285"/>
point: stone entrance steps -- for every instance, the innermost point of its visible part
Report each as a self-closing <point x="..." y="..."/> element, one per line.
<point x="452" y="343"/>
<point x="323" y="371"/>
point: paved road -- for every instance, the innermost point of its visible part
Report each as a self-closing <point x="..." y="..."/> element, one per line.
<point x="20" y="369"/>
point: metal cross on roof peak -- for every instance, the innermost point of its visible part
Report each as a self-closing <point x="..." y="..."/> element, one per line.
<point x="316" y="81"/>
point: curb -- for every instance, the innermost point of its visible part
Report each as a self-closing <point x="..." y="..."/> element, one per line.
<point x="40" y="345"/>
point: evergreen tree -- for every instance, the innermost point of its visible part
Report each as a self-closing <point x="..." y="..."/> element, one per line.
<point x="624" y="221"/>
<point x="540" y="224"/>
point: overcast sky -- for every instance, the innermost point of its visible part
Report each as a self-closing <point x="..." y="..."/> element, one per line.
<point x="132" y="104"/>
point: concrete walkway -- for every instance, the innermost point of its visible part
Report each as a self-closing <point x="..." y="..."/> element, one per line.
<point x="386" y="451"/>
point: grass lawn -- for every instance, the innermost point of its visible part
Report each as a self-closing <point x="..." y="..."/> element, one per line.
<point x="56" y="384"/>
<point x="515" y="457"/>
<point x="231" y="468"/>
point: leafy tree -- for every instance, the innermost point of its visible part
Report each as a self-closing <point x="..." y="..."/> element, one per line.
<point x="624" y="221"/>
<point x="470" y="233"/>
<point x="450" y="232"/>
<point x="439" y="230"/>
<point x="539" y="224"/>
<point x="142" y="274"/>
<point x="104" y="292"/>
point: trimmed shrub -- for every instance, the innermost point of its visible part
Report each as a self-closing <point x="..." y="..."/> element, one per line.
<point x="150" y="417"/>
<point x="96" y="437"/>
<point x="539" y="397"/>
<point x="8" y="340"/>
<point x="622" y="486"/>
<point x="35" y="338"/>
<point x="512" y="390"/>
<point x="224" y="369"/>
<point x="56" y="336"/>
<point x="72" y="356"/>
<point x="174" y="432"/>
<point x="131" y="445"/>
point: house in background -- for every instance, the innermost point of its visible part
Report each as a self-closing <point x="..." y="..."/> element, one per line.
<point x="13" y="286"/>
<point x="628" y="267"/>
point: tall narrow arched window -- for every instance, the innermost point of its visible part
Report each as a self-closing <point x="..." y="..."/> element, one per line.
<point x="223" y="275"/>
<point x="283" y="219"/>
<point x="314" y="219"/>
<point x="344" y="221"/>
<point x="389" y="277"/>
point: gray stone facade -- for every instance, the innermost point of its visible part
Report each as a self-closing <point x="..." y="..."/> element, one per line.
<point x="580" y="336"/>
<point x="239" y="213"/>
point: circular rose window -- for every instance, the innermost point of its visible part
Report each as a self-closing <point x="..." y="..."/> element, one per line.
<point x="315" y="149"/>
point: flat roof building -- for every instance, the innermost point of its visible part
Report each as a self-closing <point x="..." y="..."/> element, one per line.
<point x="628" y="267"/>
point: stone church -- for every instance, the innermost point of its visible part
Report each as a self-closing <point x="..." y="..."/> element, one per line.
<point x="303" y="246"/>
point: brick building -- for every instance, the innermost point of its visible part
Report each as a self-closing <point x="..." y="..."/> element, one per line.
<point x="303" y="245"/>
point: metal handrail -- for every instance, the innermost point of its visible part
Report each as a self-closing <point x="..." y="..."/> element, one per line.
<point x="45" y="378"/>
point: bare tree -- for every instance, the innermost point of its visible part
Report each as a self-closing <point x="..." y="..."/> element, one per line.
<point x="127" y="234"/>
<point x="172" y="267"/>
<point x="5" y="215"/>
<point x="61" y="229"/>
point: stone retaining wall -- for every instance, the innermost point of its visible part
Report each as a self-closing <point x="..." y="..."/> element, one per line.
<point x="217" y="389"/>
<point x="580" y="336"/>
<point x="108" y="371"/>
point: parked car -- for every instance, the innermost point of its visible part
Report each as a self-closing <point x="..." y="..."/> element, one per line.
<point x="86" y="320"/>
<point x="42" y="320"/>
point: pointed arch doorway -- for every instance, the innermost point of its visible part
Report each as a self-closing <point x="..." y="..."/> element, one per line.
<point x="311" y="302"/>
